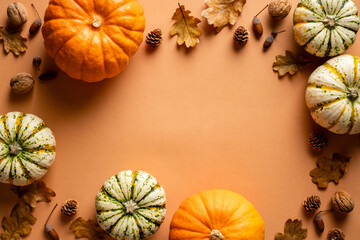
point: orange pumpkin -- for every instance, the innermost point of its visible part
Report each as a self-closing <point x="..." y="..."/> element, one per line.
<point x="92" y="40"/>
<point x="217" y="215"/>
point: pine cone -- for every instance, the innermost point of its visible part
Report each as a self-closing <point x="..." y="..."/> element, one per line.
<point x="241" y="35"/>
<point x="154" y="37"/>
<point x="70" y="207"/>
<point x="318" y="141"/>
<point x="312" y="203"/>
<point x="336" y="234"/>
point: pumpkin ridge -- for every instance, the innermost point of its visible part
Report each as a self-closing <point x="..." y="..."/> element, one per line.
<point x="6" y="130"/>
<point x="301" y="5"/>
<point x="119" y="184"/>
<point x="141" y="233"/>
<point x="18" y="125"/>
<point x="352" y="118"/>
<point x="23" y="158"/>
<point x="193" y="218"/>
<point x="147" y="219"/>
<point x="40" y="149"/>
<point x="324" y="87"/>
<point x="149" y="192"/>
<point x="120" y="5"/>
<point x="24" y="169"/>
<point x="311" y="39"/>
<point x="118" y="45"/>
<point x="133" y="180"/>
<point x="117" y="221"/>
<point x="81" y="8"/>
<point x="338" y="119"/>
<point x="82" y="64"/>
<point x="124" y="31"/>
<point x="113" y="198"/>
<point x="207" y="212"/>
<point x="326" y="104"/>
<point x="334" y="70"/>
<point x="36" y="130"/>
<point x="356" y="72"/>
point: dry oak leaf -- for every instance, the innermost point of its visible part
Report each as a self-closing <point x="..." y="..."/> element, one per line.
<point x="288" y="64"/>
<point x="13" y="41"/>
<point x="18" y="225"/>
<point x="329" y="169"/>
<point x="185" y="27"/>
<point x="221" y="12"/>
<point x="292" y="231"/>
<point x="34" y="193"/>
<point x="87" y="229"/>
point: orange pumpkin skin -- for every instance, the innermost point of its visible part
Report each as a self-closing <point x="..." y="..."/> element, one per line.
<point x="217" y="215"/>
<point x="92" y="40"/>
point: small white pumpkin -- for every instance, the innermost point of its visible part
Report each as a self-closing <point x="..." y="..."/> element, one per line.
<point x="332" y="94"/>
<point x="131" y="205"/>
<point x="326" y="27"/>
<point x="27" y="148"/>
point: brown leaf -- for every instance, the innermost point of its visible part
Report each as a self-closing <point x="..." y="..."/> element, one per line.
<point x="34" y="193"/>
<point x="292" y="231"/>
<point x="329" y="169"/>
<point x="288" y="64"/>
<point x="18" y="225"/>
<point x="13" y="41"/>
<point x="221" y="12"/>
<point x="87" y="229"/>
<point x="185" y="27"/>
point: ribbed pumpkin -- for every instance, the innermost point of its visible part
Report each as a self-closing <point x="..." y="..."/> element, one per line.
<point x="326" y="27"/>
<point x="27" y="148"/>
<point x="332" y="94"/>
<point x="93" y="40"/>
<point x="131" y="205"/>
<point x="216" y="215"/>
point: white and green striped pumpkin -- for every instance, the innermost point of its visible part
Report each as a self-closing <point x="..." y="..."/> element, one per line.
<point x="326" y="27"/>
<point x="131" y="205"/>
<point x="27" y="148"/>
<point x="332" y="95"/>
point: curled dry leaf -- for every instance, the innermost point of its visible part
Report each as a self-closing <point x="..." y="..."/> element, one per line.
<point x="87" y="229"/>
<point x="34" y="193"/>
<point x="292" y="231"/>
<point x="290" y="63"/>
<point x="18" y="225"/>
<point x="221" y="12"/>
<point x="329" y="169"/>
<point x="13" y="41"/>
<point x="185" y="27"/>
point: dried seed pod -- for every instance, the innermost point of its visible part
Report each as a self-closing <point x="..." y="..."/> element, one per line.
<point x="319" y="222"/>
<point x="258" y="28"/>
<point x="22" y="83"/>
<point x="317" y="141"/>
<point x="37" y="62"/>
<point x="279" y="9"/>
<point x="70" y="207"/>
<point x="270" y="39"/>
<point x="342" y="202"/>
<point x="312" y="203"/>
<point x="49" y="229"/>
<point x="336" y="234"/>
<point x="35" y="26"/>
<point x="154" y="37"/>
<point x="17" y="14"/>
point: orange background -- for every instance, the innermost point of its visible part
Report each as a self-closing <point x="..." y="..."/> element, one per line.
<point x="215" y="116"/>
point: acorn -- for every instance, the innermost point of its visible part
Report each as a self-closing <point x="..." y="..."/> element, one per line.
<point x="257" y="26"/>
<point x="270" y="39"/>
<point x="49" y="229"/>
<point x="35" y="26"/>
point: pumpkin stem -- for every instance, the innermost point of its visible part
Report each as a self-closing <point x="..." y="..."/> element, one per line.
<point x="352" y="94"/>
<point x="96" y="23"/>
<point x="330" y="22"/>
<point x="130" y="207"/>
<point x="15" y="149"/>
<point x="216" y="235"/>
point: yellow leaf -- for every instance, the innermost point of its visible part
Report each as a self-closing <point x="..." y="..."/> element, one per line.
<point x="87" y="229"/>
<point x="13" y="41"/>
<point x="18" y="225"/>
<point x="221" y="12"/>
<point x="34" y="193"/>
<point x="185" y="27"/>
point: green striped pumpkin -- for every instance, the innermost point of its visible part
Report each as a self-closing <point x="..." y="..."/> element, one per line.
<point x="332" y="95"/>
<point x="326" y="27"/>
<point x="27" y="148"/>
<point x="131" y="205"/>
